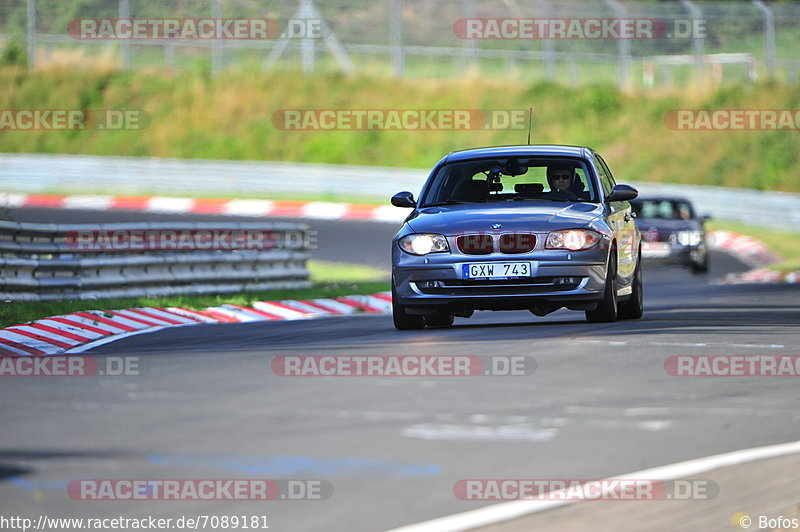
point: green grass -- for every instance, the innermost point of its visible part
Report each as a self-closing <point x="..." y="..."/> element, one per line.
<point x="784" y="243"/>
<point x="230" y="117"/>
<point x="331" y="279"/>
<point x="339" y="272"/>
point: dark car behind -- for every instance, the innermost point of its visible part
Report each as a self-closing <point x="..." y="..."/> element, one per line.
<point x="672" y="231"/>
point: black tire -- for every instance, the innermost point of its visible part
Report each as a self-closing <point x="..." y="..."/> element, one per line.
<point x="440" y="319"/>
<point x="700" y="266"/>
<point x="402" y="320"/>
<point x="633" y="308"/>
<point x="606" y="310"/>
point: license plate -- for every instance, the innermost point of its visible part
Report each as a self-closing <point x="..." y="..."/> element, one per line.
<point x="656" y="250"/>
<point x="495" y="270"/>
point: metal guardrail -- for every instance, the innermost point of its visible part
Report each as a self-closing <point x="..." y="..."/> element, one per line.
<point x="44" y="262"/>
<point x="34" y="173"/>
<point x="130" y="175"/>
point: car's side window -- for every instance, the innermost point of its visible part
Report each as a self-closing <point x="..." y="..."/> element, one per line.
<point x="607" y="171"/>
<point x="602" y="170"/>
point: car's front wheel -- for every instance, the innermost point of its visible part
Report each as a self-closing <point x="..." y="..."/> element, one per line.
<point x="606" y="310"/>
<point x="402" y="320"/>
<point x="699" y="260"/>
<point x="633" y="308"/>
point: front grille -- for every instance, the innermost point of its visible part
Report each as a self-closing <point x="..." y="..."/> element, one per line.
<point x="509" y="243"/>
<point x="517" y="243"/>
<point x="475" y="244"/>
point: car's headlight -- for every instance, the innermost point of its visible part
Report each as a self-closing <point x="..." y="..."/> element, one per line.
<point x="423" y="244"/>
<point x="689" y="238"/>
<point x="572" y="239"/>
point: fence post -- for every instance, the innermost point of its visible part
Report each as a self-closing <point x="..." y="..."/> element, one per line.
<point x="624" y="45"/>
<point x="548" y="44"/>
<point x="697" y="40"/>
<point x="125" y="45"/>
<point x="31" y="34"/>
<point x="308" y="11"/>
<point x="216" y="44"/>
<point x="769" y="36"/>
<point x="396" y="36"/>
<point x="306" y="43"/>
<point x="469" y="12"/>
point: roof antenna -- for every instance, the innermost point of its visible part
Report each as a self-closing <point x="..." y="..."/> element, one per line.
<point x="530" y="124"/>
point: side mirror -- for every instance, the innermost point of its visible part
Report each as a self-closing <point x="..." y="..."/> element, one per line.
<point x="707" y="217"/>
<point x="622" y="193"/>
<point x="404" y="199"/>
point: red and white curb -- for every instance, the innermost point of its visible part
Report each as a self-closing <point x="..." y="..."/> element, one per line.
<point x="320" y="210"/>
<point x="763" y="276"/>
<point x="754" y="253"/>
<point x="749" y="250"/>
<point x="79" y="331"/>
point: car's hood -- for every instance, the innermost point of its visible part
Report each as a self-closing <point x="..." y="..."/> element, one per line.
<point x="517" y="216"/>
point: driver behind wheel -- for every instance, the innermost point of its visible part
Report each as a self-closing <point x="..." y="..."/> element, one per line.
<point x="564" y="182"/>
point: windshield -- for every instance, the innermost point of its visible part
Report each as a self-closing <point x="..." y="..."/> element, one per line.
<point x="663" y="209"/>
<point x="511" y="179"/>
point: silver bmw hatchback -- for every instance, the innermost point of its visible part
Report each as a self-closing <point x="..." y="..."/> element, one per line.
<point x="513" y="228"/>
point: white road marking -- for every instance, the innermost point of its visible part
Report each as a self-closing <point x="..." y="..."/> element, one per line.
<point x="518" y="433"/>
<point x="498" y="344"/>
<point x="679" y="344"/>
<point x="498" y="513"/>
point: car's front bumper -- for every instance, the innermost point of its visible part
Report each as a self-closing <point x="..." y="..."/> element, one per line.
<point x="434" y="283"/>
<point x="670" y="252"/>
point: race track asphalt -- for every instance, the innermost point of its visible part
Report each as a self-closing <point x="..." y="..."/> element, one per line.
<point x="207" y="404"/>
